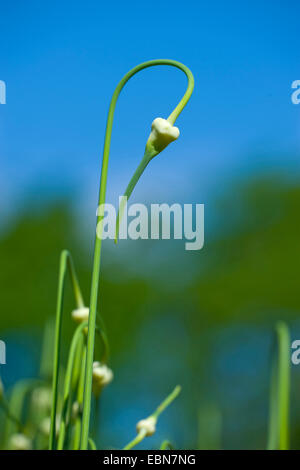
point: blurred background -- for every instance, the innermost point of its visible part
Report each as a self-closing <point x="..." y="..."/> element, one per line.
<point x="201" y="319"/>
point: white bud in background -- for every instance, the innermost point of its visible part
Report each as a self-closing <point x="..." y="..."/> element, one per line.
<point x="102" y="376"/>
<point x="148" y="426"/>
<point x="81" y="314"/>
<point x="42" y="398"/>
<point x="162" y="134"/>
<point x="20" y="442"/>
<point x="46" y="424"/>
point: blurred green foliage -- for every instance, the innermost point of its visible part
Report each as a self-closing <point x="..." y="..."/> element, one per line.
<point x="247" y="274"/>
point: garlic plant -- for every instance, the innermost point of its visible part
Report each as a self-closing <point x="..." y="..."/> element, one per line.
<point x="161" y="134"/>
<point x="34" y="419"/>
<point x="83" y="373"/>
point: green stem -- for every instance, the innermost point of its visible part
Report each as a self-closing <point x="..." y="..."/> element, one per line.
<point x="280" y="392"/>
<point x="139" y="438"/>
<point x="66" y="263"/>
<point x="67" y="402"/>
<point x="166" y="445"/>
<point x="80" y="390"/>
<point x="47" y="350"/>
<point x="167" y="401"/>
<point x="80" y="375"/>
<point x="97" y="250"/>
<point x="132" y="183"/>
<point x="273" y="414"/>
<point x="92" y="444"/>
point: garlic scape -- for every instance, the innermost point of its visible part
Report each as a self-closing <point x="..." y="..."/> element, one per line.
<point x="163" y="132"/>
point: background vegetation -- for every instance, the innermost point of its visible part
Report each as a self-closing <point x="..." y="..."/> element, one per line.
<point x="201" y="319"/>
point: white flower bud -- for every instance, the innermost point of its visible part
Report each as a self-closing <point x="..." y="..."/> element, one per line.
<point x="147" y="426"/>
<point x="102" y="375"/>
<point x="20" y="442"/>
<point x="162" y="134"/>
<point x="81" y="314"/>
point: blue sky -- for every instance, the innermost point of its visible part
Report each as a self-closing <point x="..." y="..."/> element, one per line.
<point x="62" y="60"/>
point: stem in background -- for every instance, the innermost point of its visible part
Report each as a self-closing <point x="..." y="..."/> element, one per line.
<point x="283" y="384"/>
<point x="209" y="427"/>
<point x="67" y="402"/>
<point x="78" y="361"/>
<point x="47" y="350"/>
<point x="280" y="392"/>
<point x="92" y="444"/>
<point x="105" y="344"/>
<point x="96" y="418"/>
<point x="166" y="445"/>
<point x="9" y="415"/>
<point x="97" y="249"/>
<point x="16" y="403"/>
<point x="273" y="412"/>
<point x="77" y="430"/>
<point x="65" y="264"/>
<point x="167" y="401"/>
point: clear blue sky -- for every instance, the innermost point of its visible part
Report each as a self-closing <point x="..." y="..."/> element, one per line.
<point x="62" y="60"/>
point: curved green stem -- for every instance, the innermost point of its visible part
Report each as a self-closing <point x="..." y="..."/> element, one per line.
<point x="148" y="155"/>
<point x="105" y="354"/>
<point x="80" y="390"/>
<point x="167" y="401"/>
<point x="66" y="263"/>
<point x="92" y="444"/>
<point x="97" y="250"/>
<point x="280" y="392"/>
<point x="166" y="445"/>
<point x="67" y="402"/>
<point x="75" y="364"/>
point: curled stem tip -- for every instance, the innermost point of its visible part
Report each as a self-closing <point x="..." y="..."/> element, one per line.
<point x="162" y="134"/>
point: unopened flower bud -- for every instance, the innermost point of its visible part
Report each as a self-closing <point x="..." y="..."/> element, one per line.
<point x="162" y="134"/>
<point x="81" y="314"/>
<point x="20" y="442"/>
<point x="102" y="376"/>
<point x="147" y="426"/>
